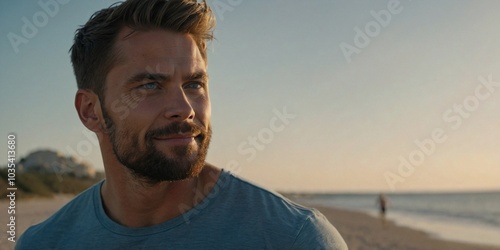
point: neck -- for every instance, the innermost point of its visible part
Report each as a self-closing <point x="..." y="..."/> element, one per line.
<point x="133" y="203"/>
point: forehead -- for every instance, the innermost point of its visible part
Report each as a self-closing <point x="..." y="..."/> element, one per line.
<point x="157" y="49"/>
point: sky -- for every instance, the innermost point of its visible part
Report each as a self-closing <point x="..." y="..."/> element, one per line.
<point x="314" y="96"/>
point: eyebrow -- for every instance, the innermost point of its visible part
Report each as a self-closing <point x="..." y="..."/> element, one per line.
<point x="196" y="75"/>
<point x="147" y="76"/>
<point x="164" y="77"/>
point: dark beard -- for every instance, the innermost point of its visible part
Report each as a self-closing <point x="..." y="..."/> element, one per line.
<point x="152" y="166"/>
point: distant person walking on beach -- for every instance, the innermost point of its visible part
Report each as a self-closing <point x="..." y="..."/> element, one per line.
<point x="141" y="71"/>
<point x="382" y="203"/>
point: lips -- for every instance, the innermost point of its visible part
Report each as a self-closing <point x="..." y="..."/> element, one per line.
<point x="179" y="133"/>
<point x="174" y="138"/>
<point x="177" y="136"/>
<point x="177" y="139"/>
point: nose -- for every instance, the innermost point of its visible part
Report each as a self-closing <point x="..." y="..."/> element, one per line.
<point x="178" y="106"/>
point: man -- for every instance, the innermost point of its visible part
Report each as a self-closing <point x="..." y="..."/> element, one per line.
<point x="383" y="202"/>
<point x="141" y="70"/>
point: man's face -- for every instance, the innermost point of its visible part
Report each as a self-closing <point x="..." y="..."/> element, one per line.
<point x="156" y="105"/>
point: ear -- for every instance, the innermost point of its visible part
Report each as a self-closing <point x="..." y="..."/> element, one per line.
<point x="88" y="107"/>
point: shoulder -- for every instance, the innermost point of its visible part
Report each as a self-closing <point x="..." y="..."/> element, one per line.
<point x="69" y="218"/>
<point x="318" y="233"/>
<point x="306" y="227"/>
<point x="252" y="195"/>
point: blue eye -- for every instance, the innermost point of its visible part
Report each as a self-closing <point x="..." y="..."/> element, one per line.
<point x="150" y="85"/>
<point x="194" y="85"/>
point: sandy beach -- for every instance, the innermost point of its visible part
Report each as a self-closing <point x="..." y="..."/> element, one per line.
<point x="29" y="212"/>
<point x="359" y="230"/>
<point x="362" y="231"/>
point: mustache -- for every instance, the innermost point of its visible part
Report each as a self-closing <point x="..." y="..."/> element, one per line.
<point x="176" y="128"/>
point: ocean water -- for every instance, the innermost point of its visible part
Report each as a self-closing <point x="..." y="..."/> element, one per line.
<point x="464" y="217"/>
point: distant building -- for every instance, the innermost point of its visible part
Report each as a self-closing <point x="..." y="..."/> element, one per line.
<point x="47" y="161"/>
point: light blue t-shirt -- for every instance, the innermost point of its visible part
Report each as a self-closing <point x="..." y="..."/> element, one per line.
<point x="235" y="215"/>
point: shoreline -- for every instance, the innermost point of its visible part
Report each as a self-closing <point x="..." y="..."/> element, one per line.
<point x="363" y="231"/>
<point x="360" y="230"/>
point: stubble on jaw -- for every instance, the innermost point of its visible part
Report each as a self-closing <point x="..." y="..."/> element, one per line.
<point x="149" y="165"/>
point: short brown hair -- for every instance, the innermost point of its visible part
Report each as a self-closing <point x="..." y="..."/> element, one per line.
<point x="92" y="53"/>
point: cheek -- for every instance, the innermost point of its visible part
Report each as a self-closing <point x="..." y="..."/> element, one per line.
<point x="145" y="118"/>
<point x="136" y="119"/>
<point x="202" y="109"/>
